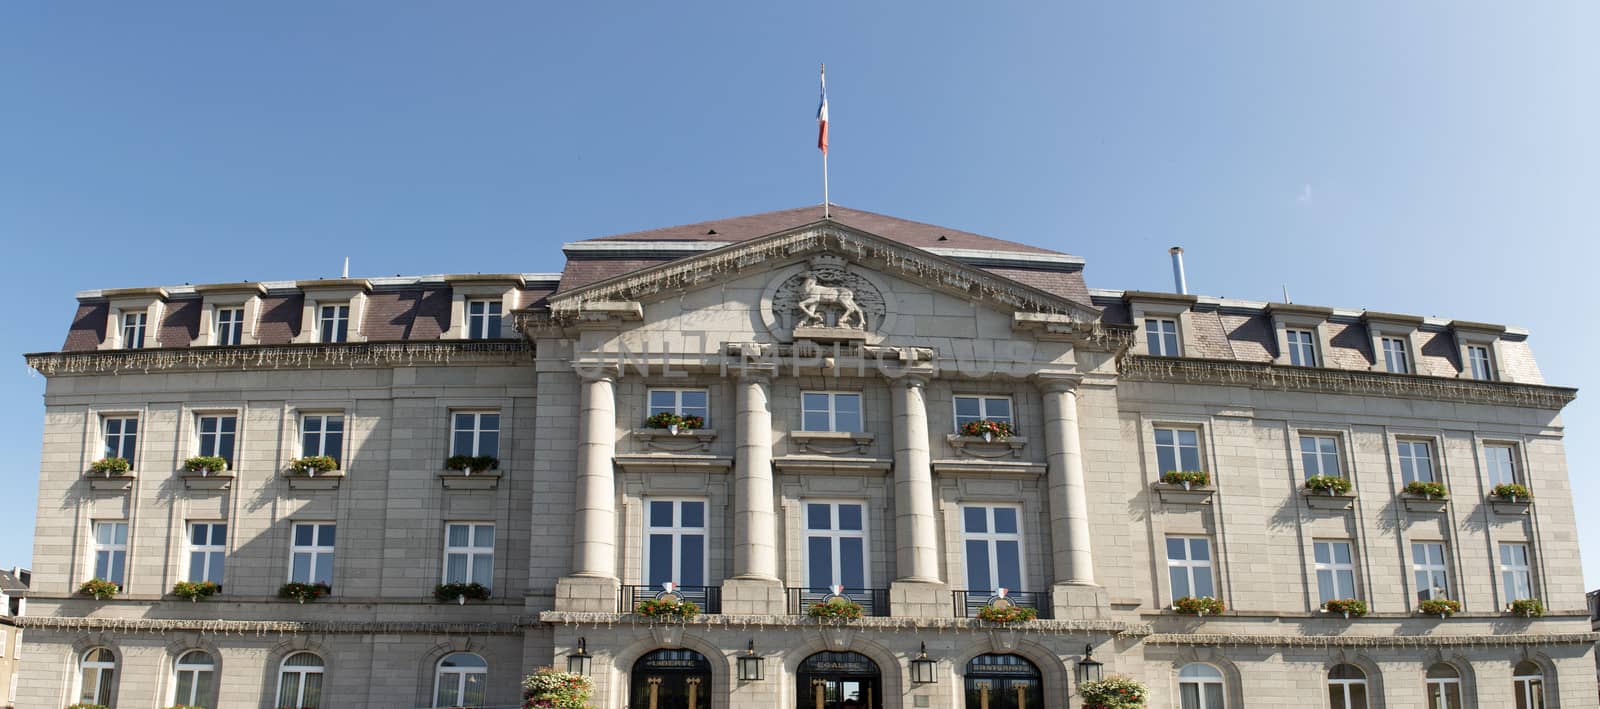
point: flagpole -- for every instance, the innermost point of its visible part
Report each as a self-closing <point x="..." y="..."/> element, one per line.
<point x="824" y="185"/>
<point x="823" y="73"/>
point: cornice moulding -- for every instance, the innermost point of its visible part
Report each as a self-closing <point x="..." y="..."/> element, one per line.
<point x="1373" y="641"/>
<point x="258" y="627"/>
<point x="716" y="622"/>
<point x="293" y="356"/>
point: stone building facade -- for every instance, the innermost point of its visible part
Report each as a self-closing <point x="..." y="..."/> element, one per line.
<point x="829" y="377"/>
<point x="13" y="603"/>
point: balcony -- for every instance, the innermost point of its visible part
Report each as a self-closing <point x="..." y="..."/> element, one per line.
<point x="708" y="598"/>
<point x="874" y="601"/>
<point x="968" y="603"/>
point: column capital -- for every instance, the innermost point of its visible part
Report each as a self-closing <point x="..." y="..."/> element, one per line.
<point x="595" y="372"/>
<point x="758" y="374"/>
<point x="915" y="380"/>
<point x="1054" y="383"/>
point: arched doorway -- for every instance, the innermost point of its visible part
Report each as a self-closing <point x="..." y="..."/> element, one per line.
<point x="839" y="680"/>
<point x="671" y="679"/>
<point x="1003" y="682"/>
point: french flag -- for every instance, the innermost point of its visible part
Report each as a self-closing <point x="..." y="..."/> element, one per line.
<point x="822" y="116"/>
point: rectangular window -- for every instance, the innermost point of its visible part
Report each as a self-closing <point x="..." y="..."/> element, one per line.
<point x="110" y="551"/>
<point x="1302" y="348"/>
<point x="1502" y="464"/>
<point x="683" y="402"/>
<point x="322" y="434"/>
<point x="475" y="433"/>
<point x="229" y="328"/>
<point x="1395" y="358"/>
<point x="992" y="536"/>
<point x="1320" y="456"/>
<point x="208" y="548"/>
<point x="1428" y="566"/>
<point x="483" y="319"/>
<point x="836" y="545"/>
<point x="122" y="437"/>
<point x="311" y="555"/>
<point x="469" y="553"/>
<point x="675" y="542"/>
<point x="1177" y="449"/>
<point x="1516" y="575"/>
<point x="978" y="408"/>
<point x="133" y="330"/>
<point x="214" y="435"/>
<point x="1416" y="461"/>
<point x="1189" y="567"/>
<point x="1478" y="363"/>
<point x="333" y="323"/>
<point x="1336" y="571"/>
<point x="1161" y="337"/>
<point x="830" y="411"/>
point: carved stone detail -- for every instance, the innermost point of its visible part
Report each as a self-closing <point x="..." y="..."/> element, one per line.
<point x="826" y="301"/>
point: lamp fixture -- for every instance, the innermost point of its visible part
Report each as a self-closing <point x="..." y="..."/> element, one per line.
<point x="922" y="668"/>
<point x="579" y="663"/>
<point x="1088" y="669"/>
<point x="751" y="665"/>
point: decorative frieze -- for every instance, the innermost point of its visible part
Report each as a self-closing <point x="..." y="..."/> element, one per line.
<point x="1119" y="628"/>
<point x="357" y="354"/>
<point x="1372" y="641"/>
<point x="268" y="627"/>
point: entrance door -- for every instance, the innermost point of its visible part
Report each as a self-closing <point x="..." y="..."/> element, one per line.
<point x="839" y="680"/>
<point x="671" y="679"/>
<point x="1003" y="682"/>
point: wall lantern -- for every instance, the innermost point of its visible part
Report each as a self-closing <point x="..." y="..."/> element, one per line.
<point x="922" y="668"/>
<point x="751" y="666"/>
<point x="579" y="662"/>
<point x="1088" y="669"/>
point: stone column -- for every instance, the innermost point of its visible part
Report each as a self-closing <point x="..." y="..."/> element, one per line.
<point x="755" y="587"/>
<point x="1075" y="594"/>
<point x="592" y="585"/>
<point x="919" y="590"/>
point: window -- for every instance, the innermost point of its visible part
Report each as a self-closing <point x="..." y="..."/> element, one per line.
<point x="1516" y="576"/>
<point x="1320" y="456"/>
<point x="208" y="547"/>
<point x="836" y="545"/>
<point x="1527" y="682"/>
<point x="133" y="331"/>
<point x="1199" y="687"/>
<point x="1502" y="464"/>
<point x="1444" y="687"/>
<point x="469" y="554"/>
<point x="1177" y="449"/>
<point x="1302" y="348"/>
<point x="683" y="402"/>
<point x="4" y="638"/>
<point x="1395" y="358"/>
<point x="1189" y="567"/>
<point x="98" y="682"/>
<point x="215" y="435"/>
<point x="476" y="433"/>
<point x="196" y="673"/>
<point x="333" y="323"/>
<point x="483" y="319"/>
<point x="229" y="328"/>
<point x="1161" y="337"/>
<point x="1347" y="687"/>
<point x="311" y="555"/>
<point x="322" y="434"/>
<point x="110" y="551"/>
<point x="830" y="411"/>
<point x="460" y="680"/>
<point x="122" y="437"/>
<point x="978" y="408"/>
<point x="993" y="540"/>
<point x="1478" y="363"/>
<point x="675" y="542"/>
<point x="1336" y="571"/>
<point x="1416" y="461"/>
<point x="300" y="682"/>
<point x="1427" y="565"/>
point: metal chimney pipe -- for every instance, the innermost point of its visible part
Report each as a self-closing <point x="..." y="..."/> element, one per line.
<point x="1177" y="270"/>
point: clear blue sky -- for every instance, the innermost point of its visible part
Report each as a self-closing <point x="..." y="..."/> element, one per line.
<point x="1437" y="158"/>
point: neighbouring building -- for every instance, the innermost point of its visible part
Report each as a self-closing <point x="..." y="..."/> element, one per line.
<point x="771" y="414"/>
<point x="13" y="601"/>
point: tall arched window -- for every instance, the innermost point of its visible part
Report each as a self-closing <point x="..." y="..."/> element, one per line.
<point x="460" y="681"/>
<point x="1200" y="687"/>
<point x="300" y="682"/>
<point x="1347" y="687"/>
<point x="98" y="682"/>
<point x="1444" y="687"/>
<point x="1528" y="681"/>
<point x="195" y="679"/>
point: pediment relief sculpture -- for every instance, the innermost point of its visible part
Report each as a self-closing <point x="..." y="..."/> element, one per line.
<point x="824" y="300"/>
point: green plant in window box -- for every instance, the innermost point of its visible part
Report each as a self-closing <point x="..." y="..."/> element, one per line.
<point x="1201" y="606"/>
<point x="110" y="466"/>
<point x="674" y="422"/>
<point x="100" y="589"/>
<point x="1114" y="692"/>
<point x="1442" y="607"/>
<point x="302" y="592"/>
<point x="1511" y="491"/>
<point x="1347" y="606"/>
<point x="86" y="706"/>
<point x="1006" y="614"/>
<point x="835" y="609"/>
<point x="1187" y="478"/>
<point x="1528" y="607"/>
<point x="1328" y="484"/>
<point x="184" y="706"/>
<point x="1427" y="489"/>
<point x="195" y="590"/>
<point x="987" y="429"/>
<point x="667" y="609"/>
<point x="460" y="592"/>
<point x="313" y="464"/>
<point x="470" y="463"/>
<point x="206" y="464"/>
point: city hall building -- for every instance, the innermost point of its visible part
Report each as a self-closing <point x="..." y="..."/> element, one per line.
<point x="772" y="414"/>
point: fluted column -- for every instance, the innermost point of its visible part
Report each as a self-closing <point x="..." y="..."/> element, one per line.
<point x="915" y="532"/>
<point x="1069" y="499"/>
<point x="755" y="552"/>
<point x="594" y="551"/>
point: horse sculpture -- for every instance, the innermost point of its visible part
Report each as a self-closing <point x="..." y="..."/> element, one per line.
<point x="813" y="294"/>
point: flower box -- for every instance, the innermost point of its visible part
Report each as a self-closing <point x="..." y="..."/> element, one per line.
<point x="302" y="592"/>
<point x="195" y="590"/>
<point x="460" y="593"/>
<point x="1348" y="607"/>
<point x="1442" y="607"/>
<point x="674" y="423"/>
<point x="988" y="430"/>
<point x="663" y="439"/>
<point x="99" y="589"/>
<point x="1320" y="500"/>
<point x="1179" y="495"/>
<point x="978" y="447"/>
<point x="836" y="608"/>
<point x="1510" y="499"/>
<point x="205" y="464"/>
<point x="1527" y="608"/>
<point x="314" y="472"/>
<point x="1006" y="614"/>
<point x="1421" y="496"/>
<point x="1201" y="606"/>
<point x="667" y="609"/>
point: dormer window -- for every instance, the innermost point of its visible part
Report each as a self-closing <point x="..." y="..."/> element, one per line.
<point x="333" y="323"/>
<point x="1161" y="336"/>
<point x="229" y="326"/>
<point x="133" y="330"/>
<point x="483" y="319"/>
<point x="1302" y="347"/>
<point x="1479" y="366"/>
<point x="1396" y="360"/>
